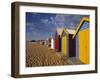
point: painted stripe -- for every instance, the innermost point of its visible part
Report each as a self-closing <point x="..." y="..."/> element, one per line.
<point x="77" y="47"/>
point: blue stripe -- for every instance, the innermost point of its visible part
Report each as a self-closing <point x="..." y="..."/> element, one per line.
<point x="77" y="47"/>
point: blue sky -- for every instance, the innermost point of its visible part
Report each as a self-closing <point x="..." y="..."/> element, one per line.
<point x="40" y="26"/>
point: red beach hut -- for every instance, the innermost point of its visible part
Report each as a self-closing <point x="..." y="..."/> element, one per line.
<point x="58" y="39"/>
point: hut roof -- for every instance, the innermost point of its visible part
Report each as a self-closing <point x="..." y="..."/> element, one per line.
<point x="64" y="32"/>
<point x="70" y="31"/>
<point x="84" y="19"/>
<point x="59" y="31"/>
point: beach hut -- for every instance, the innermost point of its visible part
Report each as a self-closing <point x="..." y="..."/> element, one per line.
<point x="68" y="44"/>
<point x="58" y="39"/>
<point x="64" y="46"/>
<point x="84" y="45"/>
<point x="52" y="43"/>
<point x="83" y="41"/>
<point x="49" y="42"/>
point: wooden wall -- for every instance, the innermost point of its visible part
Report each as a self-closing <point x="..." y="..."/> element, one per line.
<point x="84" y="48"/>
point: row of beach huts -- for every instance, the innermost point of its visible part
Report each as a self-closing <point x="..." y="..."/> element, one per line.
<point x="72" y="43"/>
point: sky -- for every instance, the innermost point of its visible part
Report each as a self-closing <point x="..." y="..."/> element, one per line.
<point x="40" y="26"/>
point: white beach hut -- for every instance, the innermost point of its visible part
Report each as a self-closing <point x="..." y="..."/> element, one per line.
<point x="52" y="43"/>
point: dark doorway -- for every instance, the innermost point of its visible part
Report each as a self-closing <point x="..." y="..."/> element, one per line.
<point x="59" y="42"/>
<point x="72" y="45"/>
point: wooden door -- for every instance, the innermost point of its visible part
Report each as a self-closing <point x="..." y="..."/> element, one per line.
<point x="72" y="46"/>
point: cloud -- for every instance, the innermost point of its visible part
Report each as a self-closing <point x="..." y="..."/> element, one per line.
<point x="68" y="20"/>
<point x="52" y="20"/>
<point x="29" y="24"/>
<point x="48" y="24"/>
<point x="45" y="21"/>
<point x="60" y="20"/>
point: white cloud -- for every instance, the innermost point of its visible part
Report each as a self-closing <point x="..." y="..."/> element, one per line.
<point x="52" y="20"/>
<point x="60" y="18"/>
<point x="30" y="25"/>
<point x="45" y="21"/>
<point x="57" y="21"/>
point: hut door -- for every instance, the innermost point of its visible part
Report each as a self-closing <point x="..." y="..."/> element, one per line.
<point x="72" y="46"/>
<point x="59" y="44"/>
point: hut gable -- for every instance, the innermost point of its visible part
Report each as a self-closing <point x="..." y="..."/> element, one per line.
<point x="70" y="31"/>
<point x="59" y="31"/>
<point x="67" y="31"/>
<point x="64" y="33"/>
<point x="85" y="19"/>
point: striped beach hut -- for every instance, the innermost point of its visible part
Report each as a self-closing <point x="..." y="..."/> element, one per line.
<point x="83" y="34"/>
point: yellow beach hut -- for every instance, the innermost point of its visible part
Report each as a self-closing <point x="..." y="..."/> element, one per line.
<point x="64" y="41"/>
<point x="83" y="38"/>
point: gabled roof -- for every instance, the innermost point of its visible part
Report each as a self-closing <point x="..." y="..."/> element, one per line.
<point x="64" y="32"/>
<point x="84" y="19"/>
<point x="70" y="31"/>
<point x="59" y="31"/>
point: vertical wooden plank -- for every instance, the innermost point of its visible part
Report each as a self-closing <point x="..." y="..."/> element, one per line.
<point x="88" y="47"/>
<point x="81" y="46"/>
<point x="64" y="45"/>
<point x="84" y="46"/>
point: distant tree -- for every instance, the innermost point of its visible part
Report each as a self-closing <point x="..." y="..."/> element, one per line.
<point x="33" y="41"/>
